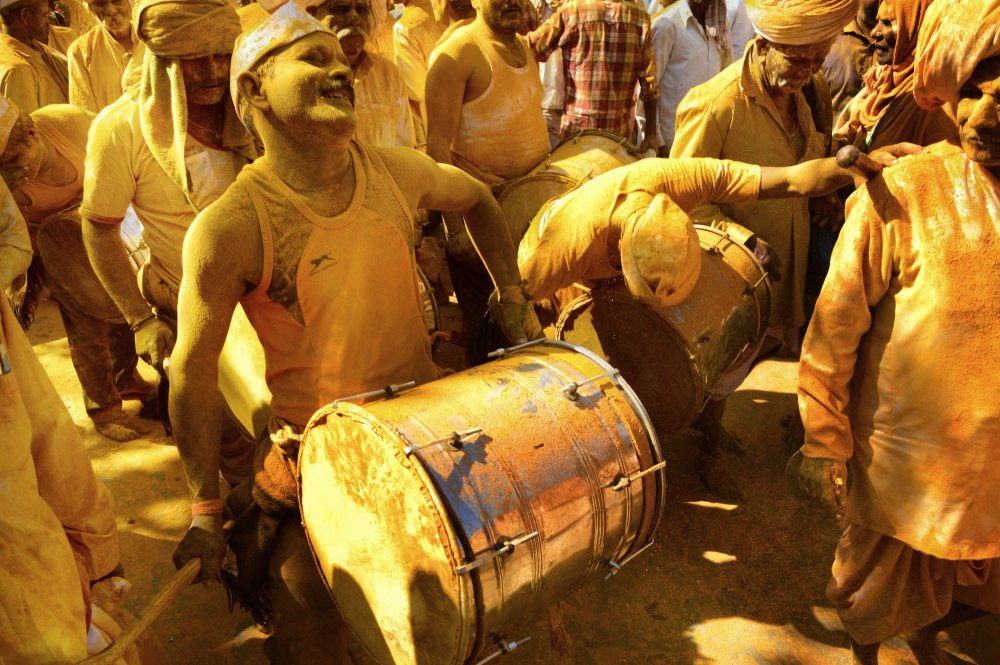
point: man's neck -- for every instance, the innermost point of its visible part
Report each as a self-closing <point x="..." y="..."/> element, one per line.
<point x="507" y="40"/>
<point x="206" y="123"/>
<point x="315" y="166"/>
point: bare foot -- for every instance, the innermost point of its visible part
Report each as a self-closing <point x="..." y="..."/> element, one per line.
<point x="926" y="648"/>
<point x="716" y="479"/>
<point x="120" y="429"/>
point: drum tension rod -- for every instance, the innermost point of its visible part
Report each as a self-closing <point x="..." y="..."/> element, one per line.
<point x="455" y="440"/>
<point x="616" y="566"/>
<point x="571" y="390"/>
<point x="502" y="549"/>
<point x="505" y="648"/>
<point x="750" y="289"/>
<point x="621" y="482"/>
<point x="388" y="392"/>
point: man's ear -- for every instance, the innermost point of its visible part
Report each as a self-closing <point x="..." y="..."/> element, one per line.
<point x="251" y="88"/>
<point x="762" y="44"/>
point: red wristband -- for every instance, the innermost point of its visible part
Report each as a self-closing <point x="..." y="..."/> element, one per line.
<point x="210" y="507"/>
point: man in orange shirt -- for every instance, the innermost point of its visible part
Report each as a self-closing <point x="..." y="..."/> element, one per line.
<point x="898" y="395"/>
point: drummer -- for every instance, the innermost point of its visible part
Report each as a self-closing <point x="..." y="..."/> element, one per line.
<point x="632" y="222"/>
<point x="43" y="154"/>
<point x="337" y="309"/>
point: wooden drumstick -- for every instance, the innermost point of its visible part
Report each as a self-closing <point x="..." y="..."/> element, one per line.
<point x="849" y="157"/>
<point x="181" y="580"/>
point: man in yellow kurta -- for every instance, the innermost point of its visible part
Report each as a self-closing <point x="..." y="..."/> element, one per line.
<point x="32" y="75"/>
<point x="897" y="389"/>
<point x="98" y="59"/>
<point x="755" y="111"/>
<point x="58" y="525"/>
<point x="380" y="98"/>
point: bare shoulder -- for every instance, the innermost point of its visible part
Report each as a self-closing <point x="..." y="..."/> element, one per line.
<point x="412" y="170"/>
<point x="226" y="236"/>
<point x="70" y="121"/>
<point x="455" y="48"/>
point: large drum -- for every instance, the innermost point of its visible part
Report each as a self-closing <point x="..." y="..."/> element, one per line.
<point x="676" y="357"/>
<point x="447" y="518"/>
<point x="576" y="159"/>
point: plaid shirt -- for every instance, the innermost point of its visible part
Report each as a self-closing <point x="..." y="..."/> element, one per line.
<point x="606" y="48"/>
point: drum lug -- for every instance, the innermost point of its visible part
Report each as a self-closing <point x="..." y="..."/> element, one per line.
<point x="388" y="392"/>
<point x="505" y="648"/>
<point x="504" y="352"/>
<point x="616" y="566"/>
<point x="455" y="440"/>
<point x="503" y="549"/>
<point x="621" y="482"/>
<point x="570" y="390"/>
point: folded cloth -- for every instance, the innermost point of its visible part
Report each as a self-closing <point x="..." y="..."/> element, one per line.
<point x="953" y="40"/>
<point x="800" y="22"/>
<point x="660" y="254"/>
<point x="175" y="30"/>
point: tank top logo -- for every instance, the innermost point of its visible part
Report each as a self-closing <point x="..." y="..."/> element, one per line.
<point x="321" y="263"/>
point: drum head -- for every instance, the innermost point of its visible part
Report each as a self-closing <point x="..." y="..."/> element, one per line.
<point x="521" y="199"/>
<point x="394" y="578"/>
<point x="647" y="351"/>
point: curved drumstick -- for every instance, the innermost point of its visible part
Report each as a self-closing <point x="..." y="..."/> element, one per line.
<point x="181" y="580"/>
<point x="850" y="158"/>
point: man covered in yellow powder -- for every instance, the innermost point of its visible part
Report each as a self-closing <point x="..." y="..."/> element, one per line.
<point x="98" y="59"/>
<point x="32" y="75"/>
<point x="484" y="115"/>
<point x="380" y="106"/>
<point x="168" y="148"/>
<point x="59" y="563"/>
<point x="885" y="111"/>
<point x="897" y="391"/>
<point x="315" y="240"/>
<point x="50" y="145"/>
<point x="755" y="111"/>
<point x="415" y="35"/>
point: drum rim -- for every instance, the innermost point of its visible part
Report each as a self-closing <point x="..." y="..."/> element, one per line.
<point x="623" y="141"/>
<point x="510" y="185"/>
<point x="766" y="284"/>
<point x="634" y="402"/>
<point x="468" y="603"/>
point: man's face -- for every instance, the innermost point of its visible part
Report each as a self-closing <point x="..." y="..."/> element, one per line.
<point x="461" y="9"/>
<point x="351" y="20"/>
<point x="309" y="82"/>
<point x="206" y="79"/>
<point x="884" y="35"/>
<point x="28" y="151"/>
<point x="36" y="19"/>
<point x="503" y="16"/>
<point x="978" y="114"/>
<point x="114" y="14"/>
<point x="788" y="68"/>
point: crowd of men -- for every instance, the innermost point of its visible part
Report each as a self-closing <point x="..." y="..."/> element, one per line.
<point x="286" y="159"/>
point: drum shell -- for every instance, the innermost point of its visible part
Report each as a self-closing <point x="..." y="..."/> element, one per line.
<point x="674" y="357"/>
<point x="538" y="465"/>
<point x="576" y="159"/>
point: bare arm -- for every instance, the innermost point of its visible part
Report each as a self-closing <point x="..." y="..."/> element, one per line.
<point x="215" y="266"/>
<point x="823" y="176"/>
<point x="446" y="79"/>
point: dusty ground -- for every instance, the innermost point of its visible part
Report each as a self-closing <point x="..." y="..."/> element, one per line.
<point x="723" y="584"/>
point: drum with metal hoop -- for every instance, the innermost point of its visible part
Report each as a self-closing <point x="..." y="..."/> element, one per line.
<point x="675" y="357"/>
<point x="576" y="159"/>
<point x="448" y="517"/>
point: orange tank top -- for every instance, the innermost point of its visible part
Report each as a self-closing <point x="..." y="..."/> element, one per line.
<point x="338" y="308"/>
<point x="47" y="199"/>
<point x="503" y="131"/>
